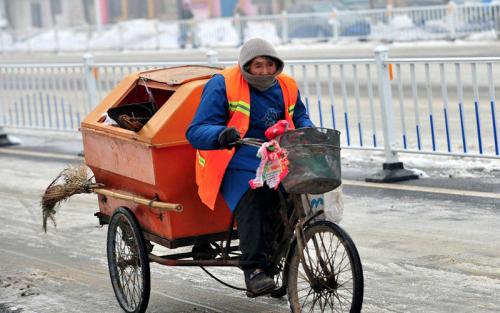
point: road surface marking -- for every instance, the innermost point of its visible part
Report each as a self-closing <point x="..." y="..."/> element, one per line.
<point x="446" y="191"/>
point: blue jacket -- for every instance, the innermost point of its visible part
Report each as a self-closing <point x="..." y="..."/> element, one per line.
<point x="266" y="108"/>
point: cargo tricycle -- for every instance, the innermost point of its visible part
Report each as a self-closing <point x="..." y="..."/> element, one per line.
<point x="149" y="197"/>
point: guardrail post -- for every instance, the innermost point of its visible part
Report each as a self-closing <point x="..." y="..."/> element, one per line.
<point x="238" y="23"/>
<point x="388" y="16"/>
<point x="28" y="43"/>
<point x="2" y="43"/>
<point x="334" y="21"/>
<point x="121" y="44"/>
<point x="212" y="58"/>
<point x="452" y="19"/>
<point x="392" y="169"/>
<point x="496" y="17"/>
<point x="90" y="79"/>
<point x="284" y="27"/>
<point x="57" y="43"/>
<point x="158" y="34"/>
<point x="88" y="33"/>
<point x="5" y="140"/>
<point x="98" y="15"/>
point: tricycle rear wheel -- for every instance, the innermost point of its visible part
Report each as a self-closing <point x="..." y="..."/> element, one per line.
<point x="128" y="262"/>
<point x="335" y="280"/>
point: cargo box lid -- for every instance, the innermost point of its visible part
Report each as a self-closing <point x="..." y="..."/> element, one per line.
<point x="179" y="75"/>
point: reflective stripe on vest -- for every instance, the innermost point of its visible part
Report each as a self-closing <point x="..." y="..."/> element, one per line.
<point x="240" y="106"/>
<point x="201" y="159"/>
<point x="211" y="164"/>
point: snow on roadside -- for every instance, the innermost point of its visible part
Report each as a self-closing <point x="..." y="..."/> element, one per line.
<point x="219" y="33"/>
<point x="425" y="164"/>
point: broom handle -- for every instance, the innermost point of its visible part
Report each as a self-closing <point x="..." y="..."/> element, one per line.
<point x="139" y="200"/>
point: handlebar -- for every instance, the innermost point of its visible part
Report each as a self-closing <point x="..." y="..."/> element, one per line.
<point x="254" y="142"/>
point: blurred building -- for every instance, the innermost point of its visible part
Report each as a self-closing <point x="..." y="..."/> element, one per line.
<point x="31" y="14"/>
<point x="28" y="14"/>
<point x="113" y="11"/>
<point x="3" y="15"/>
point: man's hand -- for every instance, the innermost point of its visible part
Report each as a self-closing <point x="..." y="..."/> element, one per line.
<point x="228" y="137"/>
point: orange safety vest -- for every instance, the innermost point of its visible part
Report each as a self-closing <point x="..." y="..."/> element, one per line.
<point x="211" y="164"/>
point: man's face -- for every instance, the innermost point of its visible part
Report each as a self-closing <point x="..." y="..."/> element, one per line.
<point x="262" y="66"/>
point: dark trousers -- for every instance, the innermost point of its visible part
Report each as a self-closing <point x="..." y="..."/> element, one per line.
<point x="256" y="213"/>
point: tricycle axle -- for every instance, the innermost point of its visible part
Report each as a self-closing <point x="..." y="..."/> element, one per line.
<point x="173" y="262"/>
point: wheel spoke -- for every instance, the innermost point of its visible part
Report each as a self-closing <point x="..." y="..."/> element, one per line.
<point x="329" y="300"/>
<point x="304" y="277"/>
<point x="322" y="302"/>
<point x="305" y="288"/>
<point x="310" y="266"/>
<point x="325" y="249"/>
<point x="315" y="299"/>
<point x="336" y="250"/>
<point x="329" y="255"/>
<point x="346" y="301"/>
<point x="128" y="279"/>
<point x="342" y="285"/>
<point x="132" y="290"/>
<point x="339" y="266"/>
<point x="307" y="296"/>
<point x="346" y="289"/>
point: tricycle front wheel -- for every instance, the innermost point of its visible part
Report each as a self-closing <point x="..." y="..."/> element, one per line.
<point x="331" y="280"/>
<point x="128" y="262"/>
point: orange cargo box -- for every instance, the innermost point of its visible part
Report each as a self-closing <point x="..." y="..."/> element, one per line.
<point x="156" y="162"/>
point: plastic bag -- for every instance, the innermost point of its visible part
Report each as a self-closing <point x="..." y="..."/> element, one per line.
<point x="107" y="120"/>
<point x="331" y="203"/>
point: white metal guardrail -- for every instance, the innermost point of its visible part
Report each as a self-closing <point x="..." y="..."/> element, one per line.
<point x="58" y="96"/>
<point x="452" y="108"/>
<point x="392" y="24"/>
<point x="431" y="106"/>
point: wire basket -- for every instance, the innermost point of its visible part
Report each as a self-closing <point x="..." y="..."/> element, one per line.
<point x="314" y="156"/>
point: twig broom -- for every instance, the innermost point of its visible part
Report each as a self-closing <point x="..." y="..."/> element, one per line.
<point x="71" y="181"/>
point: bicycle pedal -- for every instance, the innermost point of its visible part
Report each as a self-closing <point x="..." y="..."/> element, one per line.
<point x="263" y="293"/>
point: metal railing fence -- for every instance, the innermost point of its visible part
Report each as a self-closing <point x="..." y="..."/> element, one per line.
<point x="446" y="105"/>
<point x="391" y="24"/>
<point x="58" y="96"/>
<point x="428" y="106"/>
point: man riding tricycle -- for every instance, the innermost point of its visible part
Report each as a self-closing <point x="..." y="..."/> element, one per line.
<point x="251" y="158"/>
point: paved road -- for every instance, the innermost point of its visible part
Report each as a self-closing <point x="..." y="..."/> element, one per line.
<point x="342" y="50"/>
<point x="422" y="251"/>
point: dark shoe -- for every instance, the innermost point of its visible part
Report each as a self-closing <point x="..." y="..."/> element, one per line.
<point x="259" y="284"/>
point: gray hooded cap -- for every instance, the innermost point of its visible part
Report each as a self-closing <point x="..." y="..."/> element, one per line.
<point x="258" y="47"/>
